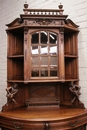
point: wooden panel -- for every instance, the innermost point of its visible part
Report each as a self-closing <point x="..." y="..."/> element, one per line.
<point x="43" y="94"/>
<point x="71" y="68"/>
<point x="15" y="46"/>
<point x="70" y="44"/>
<point x="66" y="96"/>
<point x="18" y="71"/>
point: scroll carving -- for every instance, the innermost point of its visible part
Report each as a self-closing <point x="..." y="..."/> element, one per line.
<point x="32" y="22"/>
<point x="43" y="21"/>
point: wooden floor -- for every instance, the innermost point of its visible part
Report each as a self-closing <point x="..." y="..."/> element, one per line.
<point x="41" y="114"/>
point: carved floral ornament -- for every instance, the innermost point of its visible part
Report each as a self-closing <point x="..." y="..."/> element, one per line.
<point x="44" y="22"/>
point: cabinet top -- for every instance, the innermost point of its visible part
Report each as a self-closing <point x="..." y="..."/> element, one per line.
<point x="43" y="11"/>
<point x="43" y="18"/>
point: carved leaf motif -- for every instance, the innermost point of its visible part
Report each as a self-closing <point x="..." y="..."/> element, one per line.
<point x="43" y="21"/>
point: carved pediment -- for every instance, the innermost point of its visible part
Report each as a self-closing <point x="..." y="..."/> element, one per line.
<point x="14" y="23"/>
<point x="70" y="23"/>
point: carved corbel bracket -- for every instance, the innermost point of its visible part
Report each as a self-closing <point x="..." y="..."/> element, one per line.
<point x="11" y="93"/>
<point x="75" y="90"/>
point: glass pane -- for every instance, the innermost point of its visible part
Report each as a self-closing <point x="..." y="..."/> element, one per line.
<point x="44" y="50"/>
<point x="53" y="50"/>
<point x="34" y="50"/>
<point x="35" y="38"/>
<point x="53" y="61"/>
<point x="35" y="72"/>
<point x="44" y="72"/>
<point x="43" y="37"/>
<point x="34" y="61"/>
<point x="53" y="71"/>
<point x="53" y="38"/>
<point x="44" y="60"/>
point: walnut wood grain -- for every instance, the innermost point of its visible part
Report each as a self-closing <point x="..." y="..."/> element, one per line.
<point x="52" y="118"/>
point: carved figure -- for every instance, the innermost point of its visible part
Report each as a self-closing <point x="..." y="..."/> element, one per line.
<point x="11" y="92"/>
<point x="75" y="89"/>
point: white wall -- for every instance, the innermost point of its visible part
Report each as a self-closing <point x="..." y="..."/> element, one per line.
<point x="77" y="11"/>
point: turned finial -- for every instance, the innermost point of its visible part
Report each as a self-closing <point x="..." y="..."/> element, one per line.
<point x="25" y="8"/>
<point x="60" y="6"/>
<point x="60" y="9"/>
<point x="25" y="5"/>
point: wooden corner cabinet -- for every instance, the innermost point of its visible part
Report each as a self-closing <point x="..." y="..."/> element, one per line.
<point x="42" y="73"/>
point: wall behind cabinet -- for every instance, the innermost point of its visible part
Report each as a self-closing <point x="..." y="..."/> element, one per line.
<point x="10" y="9"/>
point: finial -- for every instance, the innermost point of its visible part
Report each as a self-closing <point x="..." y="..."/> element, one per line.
<point x="60" y="9"/>
<point x="60" y="6"/>
<point x="25" y="5"/>
<point x="25" y="8"/>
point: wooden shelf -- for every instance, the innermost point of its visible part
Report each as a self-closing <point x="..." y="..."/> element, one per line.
<point x="70" y="80"/>
<point x="41" y="81"/>
<point x="16" y="56"/>
<point x="70" y="56"/>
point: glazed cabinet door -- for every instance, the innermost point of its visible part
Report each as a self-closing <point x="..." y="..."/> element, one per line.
<point x="43" y="55"/>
